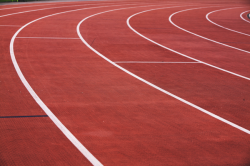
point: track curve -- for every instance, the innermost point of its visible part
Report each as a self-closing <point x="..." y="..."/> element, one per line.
<point x="119" y="119"/>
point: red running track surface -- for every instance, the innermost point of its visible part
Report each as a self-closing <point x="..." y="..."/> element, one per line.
<point x="118" y="118"/>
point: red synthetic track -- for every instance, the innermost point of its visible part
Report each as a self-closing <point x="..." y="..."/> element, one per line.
<point x="119" y="119"/>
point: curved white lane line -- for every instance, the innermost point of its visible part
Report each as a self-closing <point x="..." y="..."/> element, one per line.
<point x="58" y="123"/>
<point x="241" y="16"/>
<point x="49" y="8"/>
<point x="201" y="109"/>
<point x="38" y="10"/>
<point x="207" y="16"/>
<point x="25" y="6"/>
<point x="238" y="75"/>
<point x="200" y="35"/>
<point x="18" y="4"/>
<point x="150" y="84"/>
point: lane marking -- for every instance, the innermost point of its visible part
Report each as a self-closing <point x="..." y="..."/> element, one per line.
<point x="150" y="84"/>
<point x="26" y="6"/>
<point x="37" y="10"/>
<point x="238" y="42"/>
<point x="27" y="116"/>
<point x="57" y="122"/>
<point x="49" y="3"/>
<point x="45" y="38"/>
<point x="47" y="9"/>
<point x="207" y="17"/>
<point x="150" y="62"/>
<point x="200" y="35"/>
<point x="238" y="75"/>
<point x="241" y="16"/>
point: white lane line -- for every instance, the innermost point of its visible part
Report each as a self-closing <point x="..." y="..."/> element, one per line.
<point x="10" y="25"/>
<point x="207" y="16"/>
<point x="238" y="75"/>
<point x="201" y="109"/>
<point x="26" y="6"/>
<point x="148" y="83"/>
<point x="170" y="19"/>
<point x="57" y="122"/>
<point x="45" y="38"/>
<point x="47" y="9"/>
<point x="241" y="16"/>
<point x="150" y="62"/>
<point x="52" y="3"/>
<point x="38" y="10"/>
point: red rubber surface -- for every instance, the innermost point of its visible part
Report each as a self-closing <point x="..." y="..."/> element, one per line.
<point x="235" y="22"/>
<point x="214" y="84"/>
<point x="119" y="119"/>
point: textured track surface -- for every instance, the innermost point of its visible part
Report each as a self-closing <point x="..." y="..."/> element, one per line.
<point x="120" y="119"/>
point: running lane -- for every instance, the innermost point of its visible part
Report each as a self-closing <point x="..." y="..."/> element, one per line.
<point x="213" y="53"/>
<point x="196" y="18"/>
<point x="230" y="18"/>
<point x="8" y="9"/>
<point x="121" y="120"/>
<point x="210" y="88"/>
<point x="28" y="136"/>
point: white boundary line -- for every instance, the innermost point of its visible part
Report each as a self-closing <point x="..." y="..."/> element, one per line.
<point x="199" y="35"/>
<point x="150" y="84"/>
<point x="26" y="6"/>
<point x="241" y="16"/>
<point x="150" y="62"/>
<point x="37" y="10"/>
<point x="47" y="9"/>
<point x="207" y="16"/>
<point x="46" y="38"/>
<point x="238" y="75"/>
<point x="57" y="122"/>
<point x="40" y="2"/>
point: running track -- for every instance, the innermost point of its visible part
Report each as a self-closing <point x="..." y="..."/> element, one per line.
<point x="125" y="83"/>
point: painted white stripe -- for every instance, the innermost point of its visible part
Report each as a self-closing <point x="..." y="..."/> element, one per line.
<point x="46" y="3"/>
<point x="44" y="9"/>
<point x="207" y="16"/>
<point x="241" y="16"/>
<point x="148" y="83"/>
<point x="150" y="62"/>
<point x="45" y="38"/>
<point x="38" y="10"/>
<point x="170" y="19"/>
<point x="25" y="6"/>
<point x="57" y="122"/>
<point x="238" y="75"/>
